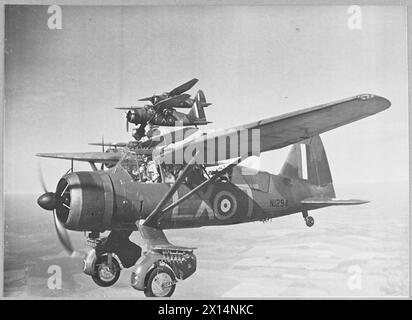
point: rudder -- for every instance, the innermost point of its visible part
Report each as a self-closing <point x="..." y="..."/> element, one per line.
<point x="197" y="112"/>
<point x="317" y="165"/>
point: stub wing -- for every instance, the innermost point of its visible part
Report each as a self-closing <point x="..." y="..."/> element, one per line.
<point x="156" y="239"/>
<point x="332" y="202"/>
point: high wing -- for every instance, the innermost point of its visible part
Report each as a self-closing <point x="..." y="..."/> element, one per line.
<point x="174" y="92"/>
<point x="183" y="87"/>
<point x="146" y="147"/>
<point x="280" y="131"/>
<point x="152" y="142"/>
<point x="109" y="144"/>
<point x="99" y="157"/>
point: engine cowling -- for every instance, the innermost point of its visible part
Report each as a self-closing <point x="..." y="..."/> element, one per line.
<point x="109" y="165"/>
<point x="140" y="115"/>
<point x="89" y="196"/>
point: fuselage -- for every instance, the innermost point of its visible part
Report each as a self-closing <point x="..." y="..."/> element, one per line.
<point x="112" y="199"/>
<point x="167" y="117"/>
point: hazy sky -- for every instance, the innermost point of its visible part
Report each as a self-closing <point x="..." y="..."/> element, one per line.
<point x="252" y="63"/>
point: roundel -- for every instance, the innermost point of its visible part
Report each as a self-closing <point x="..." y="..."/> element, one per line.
<point x="224" y="205"/>
<point x="170" y="120"/>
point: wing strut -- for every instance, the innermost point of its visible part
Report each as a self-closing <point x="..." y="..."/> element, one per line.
<point x="153" y="215"/>
<point x="158" y="210"/>
<point x="202" y="185"/>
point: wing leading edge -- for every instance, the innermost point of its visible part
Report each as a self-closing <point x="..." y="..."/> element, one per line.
<point x="99" y="157"/>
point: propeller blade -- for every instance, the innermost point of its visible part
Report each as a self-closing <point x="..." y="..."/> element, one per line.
<point x="41" y="178"/>
<point x="183" y="88"/>
<point x="127" y="125"/>
<point x="62" y="234"/>
<point x="102" y="165"/>
<point x="128" y="108"/>
<point x="146" y="99"/>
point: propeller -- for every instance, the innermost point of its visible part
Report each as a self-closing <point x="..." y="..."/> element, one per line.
<point x="102" y="165"/>
<point x="51" y="201"/>
<point x="127" y="121"/>
<point x="152" y="99"/>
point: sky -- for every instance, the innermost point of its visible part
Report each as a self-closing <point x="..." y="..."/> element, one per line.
<point x="253" y="62"/>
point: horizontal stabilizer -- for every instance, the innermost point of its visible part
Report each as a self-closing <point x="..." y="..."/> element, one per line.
<point x="332" y="202"/>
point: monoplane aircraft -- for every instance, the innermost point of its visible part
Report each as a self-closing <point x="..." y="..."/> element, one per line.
<point x="162" y="111"/>
<point x="178" y="186"/>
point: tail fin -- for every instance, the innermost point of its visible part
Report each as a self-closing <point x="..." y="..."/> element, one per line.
<point x="317" y="166"/>
<point x="197" y="112"/>
<point x="293" y="165"/>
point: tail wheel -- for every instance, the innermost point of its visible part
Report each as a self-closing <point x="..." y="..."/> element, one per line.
<point x="160" y="282"/>
<point x="105" y="275"/>
<point x="309" y="221"/>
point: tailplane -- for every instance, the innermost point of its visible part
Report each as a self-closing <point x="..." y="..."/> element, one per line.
<point x="332" y="202"/>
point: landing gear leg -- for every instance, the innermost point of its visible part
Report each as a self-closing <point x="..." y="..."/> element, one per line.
<point x="310" y="221"/>
<point x="109" y="256"/>
<point x="140" y="132"/>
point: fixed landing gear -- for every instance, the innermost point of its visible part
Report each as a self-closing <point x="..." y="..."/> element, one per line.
<point x="105" y="262"/>
<point x="309" y="220"/>
<point x="161" y="282"/>
<point x="139" y="133"/>
<point x="159" y="269"/>
<point x="106" y="270"/>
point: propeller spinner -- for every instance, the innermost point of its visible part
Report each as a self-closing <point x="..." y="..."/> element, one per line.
<point x="53" y="202"/>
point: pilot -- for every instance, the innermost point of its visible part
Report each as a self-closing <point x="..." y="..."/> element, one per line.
<point x="135" y="173"/>
<point x="152" y="172"/>
<point x="196" y="176"/>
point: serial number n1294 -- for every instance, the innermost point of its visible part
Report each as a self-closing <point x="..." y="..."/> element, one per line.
<point x="279" y="203"/>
